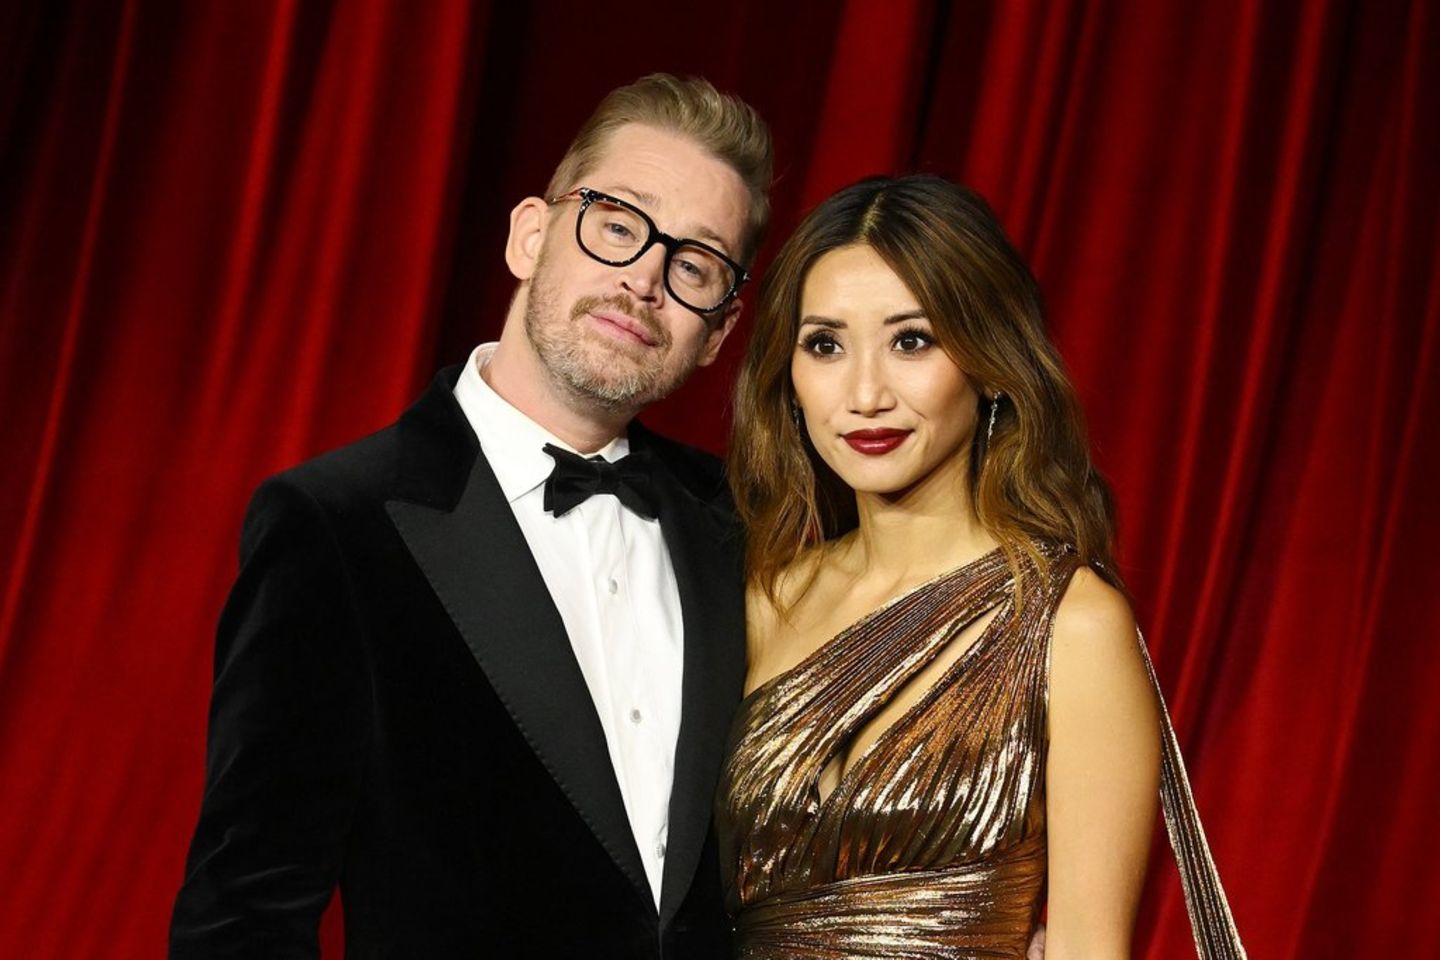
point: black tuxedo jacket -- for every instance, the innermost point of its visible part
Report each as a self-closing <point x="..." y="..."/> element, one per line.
<point x="397" y="710"/>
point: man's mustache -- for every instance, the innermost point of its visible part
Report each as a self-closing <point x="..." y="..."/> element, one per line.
<point x="623" y="304"/>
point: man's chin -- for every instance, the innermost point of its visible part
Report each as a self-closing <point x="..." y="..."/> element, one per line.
<point x="617" y="397"/>
<point x="606" y="378"/>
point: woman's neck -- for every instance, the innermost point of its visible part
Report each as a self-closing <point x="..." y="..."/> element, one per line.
<point x="917" y="533"/>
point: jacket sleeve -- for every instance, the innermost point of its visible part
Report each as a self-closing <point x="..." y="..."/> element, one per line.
<point x="288" y="738"/>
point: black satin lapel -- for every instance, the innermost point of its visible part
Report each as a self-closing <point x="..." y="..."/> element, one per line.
<point x="479" y="565"/>
<point x="704" y="547"/>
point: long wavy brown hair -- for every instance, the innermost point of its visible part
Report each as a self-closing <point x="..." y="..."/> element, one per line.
<point x="1031" y="482"/>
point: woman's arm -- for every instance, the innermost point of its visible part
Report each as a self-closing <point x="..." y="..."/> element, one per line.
<point x="1102" y="774"/>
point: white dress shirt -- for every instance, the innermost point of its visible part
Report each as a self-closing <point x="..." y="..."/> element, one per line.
<point x="610" y="576"/>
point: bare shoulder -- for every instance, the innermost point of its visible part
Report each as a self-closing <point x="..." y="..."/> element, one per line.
<point x="1095" y="616"/>
<point x="762" y="617"/>
<point x="771" y="615"/>
<point x="1096" y="655"/>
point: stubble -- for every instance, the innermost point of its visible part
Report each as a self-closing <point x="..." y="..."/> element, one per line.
<point x="597" y="370"/>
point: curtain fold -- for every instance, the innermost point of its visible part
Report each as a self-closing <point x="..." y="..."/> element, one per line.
<point x="234" y="235"/>
<point x="213" y="267"/>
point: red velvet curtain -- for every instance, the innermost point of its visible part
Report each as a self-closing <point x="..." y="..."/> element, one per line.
<point x="232" y="235"/>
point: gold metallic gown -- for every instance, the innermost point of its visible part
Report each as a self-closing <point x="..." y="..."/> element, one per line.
<point x="933" y="842"/>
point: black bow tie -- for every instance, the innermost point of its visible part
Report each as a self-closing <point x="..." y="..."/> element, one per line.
<point x="576" y="479"/>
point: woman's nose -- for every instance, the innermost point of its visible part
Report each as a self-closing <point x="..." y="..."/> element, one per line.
<point x="870" y="391"/>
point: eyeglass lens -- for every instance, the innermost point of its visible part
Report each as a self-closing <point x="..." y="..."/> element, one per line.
<point x="615" y="234"/>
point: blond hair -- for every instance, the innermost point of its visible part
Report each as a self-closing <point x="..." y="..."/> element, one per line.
<point x="723" y="125"/>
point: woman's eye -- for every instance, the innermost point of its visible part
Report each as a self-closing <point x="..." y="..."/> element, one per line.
<point x="821" y="344"/>
<point x="912" y="341"/>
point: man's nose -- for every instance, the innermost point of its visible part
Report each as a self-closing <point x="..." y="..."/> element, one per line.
<point x="645" y="278"/>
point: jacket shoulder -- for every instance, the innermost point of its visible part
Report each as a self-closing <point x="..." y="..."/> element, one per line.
<point x="701" y="473"/>
<point x="363" y="471"/>
<point x="427" y="451"/>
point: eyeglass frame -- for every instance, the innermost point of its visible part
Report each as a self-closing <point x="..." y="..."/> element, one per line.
<point x="589" y="195"/>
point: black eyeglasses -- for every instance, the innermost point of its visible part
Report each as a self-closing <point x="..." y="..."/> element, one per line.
<point x="618" y="233"/>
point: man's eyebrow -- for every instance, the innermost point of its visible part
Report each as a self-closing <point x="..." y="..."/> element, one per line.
<point x="644" y="198"/>
<point x="641" y="196"/>
<point x="712" y="238"/>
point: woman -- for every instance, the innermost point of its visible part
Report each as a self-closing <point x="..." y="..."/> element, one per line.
<point x="949" y="722"/>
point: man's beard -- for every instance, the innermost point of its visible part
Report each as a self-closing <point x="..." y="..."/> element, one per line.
<point x="606" y="374"/>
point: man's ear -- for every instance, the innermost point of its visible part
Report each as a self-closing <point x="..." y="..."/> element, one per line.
<point x="719" y="332"/>
<point x="527" y="235"/>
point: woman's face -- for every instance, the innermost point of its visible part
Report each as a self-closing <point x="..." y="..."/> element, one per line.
<point x="884" y="406"/>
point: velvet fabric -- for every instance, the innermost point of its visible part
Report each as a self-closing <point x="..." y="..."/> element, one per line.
<point x="396" y="710"/>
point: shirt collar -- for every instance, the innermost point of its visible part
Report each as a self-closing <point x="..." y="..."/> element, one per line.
<point x="512" y="442"/>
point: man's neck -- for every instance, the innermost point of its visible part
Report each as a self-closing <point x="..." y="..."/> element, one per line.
<point x="517" y="376"/>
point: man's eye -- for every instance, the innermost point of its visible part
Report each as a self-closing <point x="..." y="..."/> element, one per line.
<point x="618" y="231"/>
<point x="692" y="271"/>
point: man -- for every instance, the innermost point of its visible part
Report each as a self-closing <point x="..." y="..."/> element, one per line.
<point x="467" y="673"/>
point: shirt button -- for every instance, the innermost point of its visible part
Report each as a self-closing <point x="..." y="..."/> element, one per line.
<point x="612" y="586"/>
<point x="660" y="850"/>
<point x="635" y="715"/>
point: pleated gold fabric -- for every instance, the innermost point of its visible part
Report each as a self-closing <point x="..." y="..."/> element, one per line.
<point x="932" y="844"/>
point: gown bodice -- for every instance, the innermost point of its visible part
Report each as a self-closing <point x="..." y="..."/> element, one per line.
<point x="932" y="843"/>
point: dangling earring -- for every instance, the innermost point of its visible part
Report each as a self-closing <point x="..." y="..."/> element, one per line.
<point x="994" y="406"/>
<point x="796" y="414"/>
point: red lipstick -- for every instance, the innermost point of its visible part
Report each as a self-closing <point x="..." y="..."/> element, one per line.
<point x="876" y="443"/>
